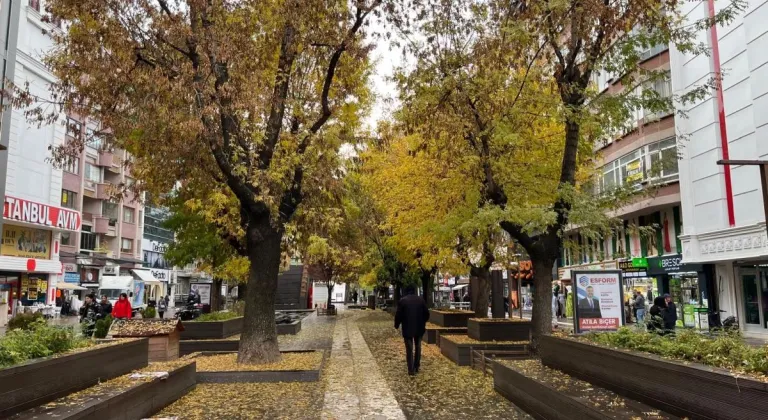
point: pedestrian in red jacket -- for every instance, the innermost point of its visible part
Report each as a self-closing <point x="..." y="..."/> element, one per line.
<point x="122" y="308"/>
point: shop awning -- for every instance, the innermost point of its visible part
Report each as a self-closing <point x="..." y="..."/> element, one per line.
<point x="461" y="286"/>
<point x="69" y="286"/>
<point x="146" y="276"/>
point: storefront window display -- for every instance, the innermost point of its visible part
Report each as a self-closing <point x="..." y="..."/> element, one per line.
<point x="754" y="297"/>
<point x="685" y="284"/>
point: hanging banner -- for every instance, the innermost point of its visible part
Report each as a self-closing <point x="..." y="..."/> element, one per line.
<point x="26" y="242"/>
<point x="204" y="290"/>
<point x="598" y="301"/>
<point x="41" y="214"/>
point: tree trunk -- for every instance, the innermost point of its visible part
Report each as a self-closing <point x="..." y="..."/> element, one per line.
<point x="258" y="341"/>
<point x="542" y="297"/>
<point x="479" y="290"/>
<point x="330" y="291"/>
<point x="396" y="294"/>
<point x="426" y="287"/>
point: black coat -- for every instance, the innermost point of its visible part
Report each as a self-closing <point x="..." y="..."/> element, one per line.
<point x="412" y="314"/>
<point x="670" y="320"/>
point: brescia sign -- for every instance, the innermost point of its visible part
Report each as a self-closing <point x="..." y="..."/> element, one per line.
<point x="41" y="214"/>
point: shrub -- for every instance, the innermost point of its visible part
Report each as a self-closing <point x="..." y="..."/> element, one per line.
<point x="148" y="313"/>
<point x="102" y="327"/>
<point x="218" y="316"/>
<point x="728" y="350"/>
<point x="24" y="321"/>
<point x="39" y="340"/>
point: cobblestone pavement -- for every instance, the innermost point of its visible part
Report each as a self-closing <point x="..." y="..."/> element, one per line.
<point x="355" y="388"/>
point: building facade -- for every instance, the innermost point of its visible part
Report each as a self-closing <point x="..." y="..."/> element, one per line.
<point x="154" y="244"/>
<point x="725" y="225"/>
<point x="35" y="223"/>
<point x="647" y="248"/>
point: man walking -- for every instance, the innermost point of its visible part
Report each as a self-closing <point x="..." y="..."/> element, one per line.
<point x="412" y="314"/>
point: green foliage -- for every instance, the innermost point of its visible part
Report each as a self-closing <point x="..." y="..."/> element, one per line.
<point x="102" y="327"/>
<point x="218" y="316"/>
<point x="728" y="351"/>
<point x="24" y="321"/>
<point x="148" y="313"/>
<point x="37" y="340"/>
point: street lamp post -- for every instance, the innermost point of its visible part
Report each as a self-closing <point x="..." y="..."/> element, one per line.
<point x="763" y="164"/>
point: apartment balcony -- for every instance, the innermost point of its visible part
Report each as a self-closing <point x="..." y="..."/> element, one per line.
<point x="106" y="158"/>
<point x="104" y="190"/>
<point x="116" y="164"/>
<point x="128" y="230"/>
<point x="105" y="226"/>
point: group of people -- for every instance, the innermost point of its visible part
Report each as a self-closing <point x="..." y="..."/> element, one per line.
<point x="663" y="315"/>
<point x="663" y="312"/>
<point x="91" y="311"/>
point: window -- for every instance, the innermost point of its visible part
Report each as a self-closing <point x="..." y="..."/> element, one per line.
<point x="92" y="172"/>
<point x="656" y="162"/>
<point x="35" y="4"/>
<point x="68" y="199"/>
<point x="74" y="128"/>
<point x="67" y="239"/>
<point x="72" y="164"/>
<point x="126" y="245"/>
<point x="87" y="239"/>
<point x="128" y="215"/>
<point x="109" y="209"/>
<point x="92" y="138"/>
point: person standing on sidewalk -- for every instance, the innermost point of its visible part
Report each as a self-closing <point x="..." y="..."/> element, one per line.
<point x="640" y="306"/>
<point x="162" y="306"/>
<point x="670" y="322"/>
<point x="412" y="314"/>
<point x="122" y="308"/>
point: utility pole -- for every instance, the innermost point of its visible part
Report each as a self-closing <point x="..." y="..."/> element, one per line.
<point x="763" y="164"/>
<point x="9" y="33"/>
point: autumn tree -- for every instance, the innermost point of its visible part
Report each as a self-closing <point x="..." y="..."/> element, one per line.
<point x="243" y="97"/>
<point x="199" y="238"/>
<point x="504" y="88"/>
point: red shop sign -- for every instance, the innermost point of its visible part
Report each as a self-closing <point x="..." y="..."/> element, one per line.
<point x="41" y="214"/>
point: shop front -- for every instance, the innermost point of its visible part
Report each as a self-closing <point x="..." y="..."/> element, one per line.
<point x="752" y="295"/>
<point x="690" y="285"/>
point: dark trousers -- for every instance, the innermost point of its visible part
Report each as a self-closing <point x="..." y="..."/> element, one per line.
<point x="161" y="314"/>
<point x="413" y="361"/>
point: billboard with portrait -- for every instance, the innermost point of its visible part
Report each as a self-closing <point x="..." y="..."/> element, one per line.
<point x="598" y="301"/>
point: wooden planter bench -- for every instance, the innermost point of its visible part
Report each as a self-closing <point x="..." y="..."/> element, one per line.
<point x="499" y="330"/>
<point x="431" y="336"/>
<point x="211" y="329"/>
<point x="547" y="394"/>
<point x="326" y="311"/>
<point x="292" y="328"/>
<point x="683" y="389"/>
<point x="39" y="381"/>
<point x="244" y="376"/>
<point x="461" y="353"/>
<point x="450" y="318"/>
<point x="136" y="401"/>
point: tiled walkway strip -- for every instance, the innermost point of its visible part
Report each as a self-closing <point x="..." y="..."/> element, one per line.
<point x="355" y="388"/>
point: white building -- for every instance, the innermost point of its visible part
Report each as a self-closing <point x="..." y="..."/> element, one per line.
<point x="34" y="219"/>
<point x="722" y="207"/>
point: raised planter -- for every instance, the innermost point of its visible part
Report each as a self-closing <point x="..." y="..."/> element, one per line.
<point x="683" y="389"/>
<point x="326" y="311"/>
<point x="461" y="353"/>
<point x="432" y="334"/>
<point x="211" y="329"/>
<point x="450" y="318"/>
<point x="545" y="395"/>
<point x="312" y="375"/>
<point x="194" y="346"/>
<point x="137" y="401"/>
<point x="499" y="330"/>
<point x="39" y="381"/>
<point x="292" y="328"/>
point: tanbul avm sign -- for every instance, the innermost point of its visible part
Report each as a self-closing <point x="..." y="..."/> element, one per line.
<point x="41" y="214"/>
<point x="598" y="300"/>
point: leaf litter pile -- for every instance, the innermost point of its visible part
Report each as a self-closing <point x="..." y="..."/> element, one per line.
<point x="441" y="390"/>
<point x="294" y="400"/>
<point x="289" y="361"/>
<point x="465" y="339"/>
<point x="607" y="402"/>
<point x="431" y="326"/>
<point x="110" y="388"/>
